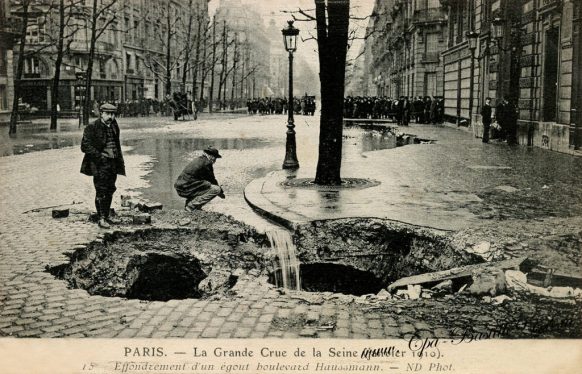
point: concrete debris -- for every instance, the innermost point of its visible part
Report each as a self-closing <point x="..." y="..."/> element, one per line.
<point x="508" y="189"/>
<point x="411" y="293"/>
<point x="485" y="251"/>
<point x="184" y="221"/>
<point x="384" y="295"/>
<point x="149" y="207"/>
<point x="517" y="281"/>
<point x="142" y="219"/>
<point x="544" y="276"/>
<point x="217" y="281"/>
<point x="488" y="282"/>
<point x="500" y="299"/>
<point x="444" y="286"/>
<point x="60" y="213"/>
<point x="125" y="201"/>
<point x="456" y="273"/>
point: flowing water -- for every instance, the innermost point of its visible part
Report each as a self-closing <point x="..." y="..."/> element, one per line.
<point x="287" y="273"/>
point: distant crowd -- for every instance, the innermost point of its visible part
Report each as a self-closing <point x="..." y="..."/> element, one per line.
<point x="403" y="110"/>
<point x="279" y="105"/>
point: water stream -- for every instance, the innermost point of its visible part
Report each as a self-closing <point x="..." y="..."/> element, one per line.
<point x="287" y="274"/>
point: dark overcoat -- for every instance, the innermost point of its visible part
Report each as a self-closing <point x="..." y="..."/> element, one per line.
<point x="93" y="144"/>
<point x="196" y="178"/>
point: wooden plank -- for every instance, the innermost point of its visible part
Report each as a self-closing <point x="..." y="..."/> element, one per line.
<point x="460" y="272"/>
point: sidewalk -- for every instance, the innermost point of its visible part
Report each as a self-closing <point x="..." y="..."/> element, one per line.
<point x="453" y="184"/>
<point x="497" y="193"/>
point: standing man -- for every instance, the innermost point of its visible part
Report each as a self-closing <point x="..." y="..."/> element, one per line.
<point x="486" y="118"/>
<point x="197" y="182"/>
<point x="103" y="160"/>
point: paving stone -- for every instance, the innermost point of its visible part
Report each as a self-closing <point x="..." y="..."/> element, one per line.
<point x="242" y="332"/>
<point x="407" y="329"/>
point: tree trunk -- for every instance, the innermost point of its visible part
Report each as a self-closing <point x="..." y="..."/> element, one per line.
<point x="234" y="60"/>
<point x="87" y="106"/>
<point x="19" y="69"/>
<point x="332" y="40"/>
<point x="203" y="66"/>
<point x="58" y="62"/>
<point x="168" y="83"/>
<point x="222" y="71"/>
<point x="188" y="46"/>
<point x="211" y="91"/>
<point x="197" y="59"/>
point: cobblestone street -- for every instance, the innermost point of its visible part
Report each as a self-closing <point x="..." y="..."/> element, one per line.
<point x="33" y="303"/>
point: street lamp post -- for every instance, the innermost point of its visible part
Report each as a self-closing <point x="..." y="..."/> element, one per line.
<point x="472" y="36"/>
<point x="290" y="38"/>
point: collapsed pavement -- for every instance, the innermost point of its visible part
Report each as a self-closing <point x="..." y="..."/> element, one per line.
<point x="203" y="256"/>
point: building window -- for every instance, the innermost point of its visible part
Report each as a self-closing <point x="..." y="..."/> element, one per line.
<point x="32" y="33"/>
<point x="3" y="98"/>
<point x="3" y="62"/>
<point x="31" y="66"/>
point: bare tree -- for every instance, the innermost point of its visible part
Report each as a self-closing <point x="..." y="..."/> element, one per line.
<point x="166" y="53"/>
<point x="102" y="18"/>
<point x="67" y="17"/>
<point x="203" y="62"/>
<point x="188" y="43"/>
<point x="212" y="66"/>
<point x="19" y="67"/>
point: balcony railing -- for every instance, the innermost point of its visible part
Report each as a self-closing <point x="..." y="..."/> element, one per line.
<point x="428" y="15"/>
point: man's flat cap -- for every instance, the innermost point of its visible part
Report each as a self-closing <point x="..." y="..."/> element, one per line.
<point x="108" y="108"/>
<point x="212" y="151"/>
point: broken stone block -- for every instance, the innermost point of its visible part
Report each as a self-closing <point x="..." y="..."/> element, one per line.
<point x="126" y="201"/>
<point x="184" y="221"/>
<point x="217" y="281"/>
<point x="500" y="299"/>
<point x="60" y="213"/>
<point x="489" y="282"/>
<point x="149" y="207"/>
<point x="414" y="292"/>
<point x="444" y="286"/>
<point x="484" y="250"/>
<point x="384" y="295"/>
<point x="142" y="219"/>
<point x="455" y="273"/>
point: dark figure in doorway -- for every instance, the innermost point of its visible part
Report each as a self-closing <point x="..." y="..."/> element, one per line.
<point x="511" y="114"/>
<point x="486" y="118"/>
<point x="103" y="160"/>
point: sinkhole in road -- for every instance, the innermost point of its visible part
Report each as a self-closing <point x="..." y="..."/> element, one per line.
<point x="336" y="278"/>
<point x="208" y="257"/>
<point x="165" y="264"/>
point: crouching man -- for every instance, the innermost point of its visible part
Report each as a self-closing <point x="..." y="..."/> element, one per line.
<point x="197" y="183"/>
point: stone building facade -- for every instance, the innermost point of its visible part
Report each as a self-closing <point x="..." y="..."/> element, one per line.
<point x="9" y="29"/>
<point x="406" y="48"/>
<point x="120" y="67"/>
<point x="527" y="51"/>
